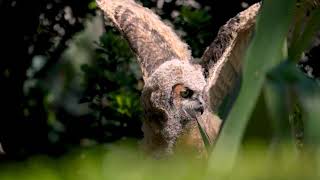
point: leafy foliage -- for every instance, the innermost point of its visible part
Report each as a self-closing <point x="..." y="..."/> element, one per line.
<point x="114" y="84"/>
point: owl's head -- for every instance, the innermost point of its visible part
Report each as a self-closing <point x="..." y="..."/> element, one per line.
<point x="172" y="99"/>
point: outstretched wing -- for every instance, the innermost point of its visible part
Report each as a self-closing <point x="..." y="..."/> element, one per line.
<point x="222" y="60"/>
<point x="151" y="40"/>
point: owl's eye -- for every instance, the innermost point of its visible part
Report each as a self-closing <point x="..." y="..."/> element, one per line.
<point x="186" y="93"/>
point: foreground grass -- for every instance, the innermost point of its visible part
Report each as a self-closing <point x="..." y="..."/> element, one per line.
<point x="120" y="162"/>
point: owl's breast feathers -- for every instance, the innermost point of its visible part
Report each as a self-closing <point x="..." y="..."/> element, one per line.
<point x="191" y="141"/>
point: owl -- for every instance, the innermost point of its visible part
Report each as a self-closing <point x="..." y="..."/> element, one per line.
<point x="180" y="94"/>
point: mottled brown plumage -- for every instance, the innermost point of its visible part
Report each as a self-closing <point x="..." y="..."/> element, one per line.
<point x="152" y="41"/>
<point x="222" y="60"/>
<point x="178" y="93"/>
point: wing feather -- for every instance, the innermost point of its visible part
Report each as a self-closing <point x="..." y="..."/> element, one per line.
<point x="222" y="60"/>
<point x="151" y="40"/>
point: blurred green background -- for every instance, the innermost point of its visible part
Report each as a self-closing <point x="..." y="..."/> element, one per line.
<point x="71" y="88"/>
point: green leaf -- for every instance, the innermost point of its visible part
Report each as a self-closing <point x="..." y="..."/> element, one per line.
<point x="195" y="17"/>
<point x="205" y="136"/>
<point x="264" y="52"/>
<point x="281" y="101"/>
<point x="92" y="5"/>
<point x="308" y="92"/>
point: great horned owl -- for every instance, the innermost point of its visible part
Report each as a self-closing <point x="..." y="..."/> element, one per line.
<point x="180" y="94"/>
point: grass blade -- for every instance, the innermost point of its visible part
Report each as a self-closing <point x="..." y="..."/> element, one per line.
<point x="264" y="52"/>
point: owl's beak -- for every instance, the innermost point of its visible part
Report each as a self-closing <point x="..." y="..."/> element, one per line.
<point x="199" y="108"/>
